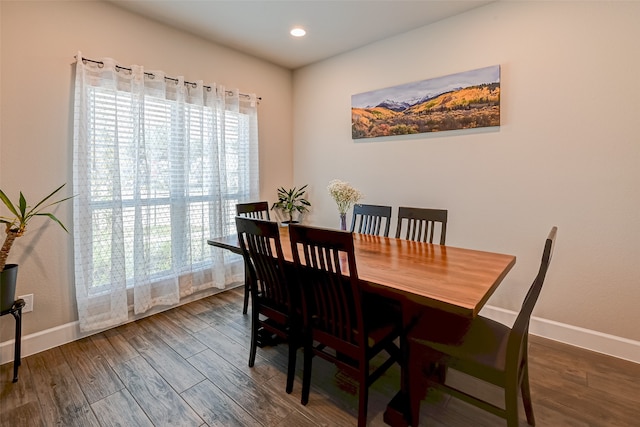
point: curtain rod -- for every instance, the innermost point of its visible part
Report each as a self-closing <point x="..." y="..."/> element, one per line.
<point x="119" y="67"/>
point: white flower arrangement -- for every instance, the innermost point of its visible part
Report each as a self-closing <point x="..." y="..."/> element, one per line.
<point x="344" y="195"/>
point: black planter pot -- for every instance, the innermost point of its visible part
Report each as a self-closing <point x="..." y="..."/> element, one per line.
<point x="8" y="278"/>
<point x="286" y="223"/>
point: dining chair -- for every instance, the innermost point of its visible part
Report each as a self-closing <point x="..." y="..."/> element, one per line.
<point x="421" y="224"/>
<point x="339" y="324"/>
<point x="368" y="219"/>
<point x="487" y="350"/>
<point x="274" y="303"/>
<point x="255" y="210"/>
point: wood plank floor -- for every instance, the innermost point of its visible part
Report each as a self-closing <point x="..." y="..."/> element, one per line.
<point x="188" y="367"/>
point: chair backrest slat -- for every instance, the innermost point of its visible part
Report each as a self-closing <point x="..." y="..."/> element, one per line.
<point x="368" y="219"/>
<point x="421" y="224"/>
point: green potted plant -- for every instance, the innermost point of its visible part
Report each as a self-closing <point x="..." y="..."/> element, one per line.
<point x="291" y="202"/>
<point x="15" y="226"/>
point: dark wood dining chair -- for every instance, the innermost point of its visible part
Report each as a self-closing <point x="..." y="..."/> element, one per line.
<point x="274" y="303"/>
<point x="255" y="210"/>
<point x="421" y="224"/>
<point x="336" y="313"/>
<point x="487" y="350"/>
<point x="369" y="219"/>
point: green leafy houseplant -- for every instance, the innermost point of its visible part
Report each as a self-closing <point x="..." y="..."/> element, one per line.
<point x="20" y="216"/>
<point x="291" y="201"/>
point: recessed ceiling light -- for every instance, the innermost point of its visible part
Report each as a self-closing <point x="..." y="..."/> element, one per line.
<point x="298" y="32"/>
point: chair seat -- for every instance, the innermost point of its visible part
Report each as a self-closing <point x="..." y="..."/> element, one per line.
<point x="380" y="327"/>
<point x="383" y="318"/>
<point x="481" y="348"/>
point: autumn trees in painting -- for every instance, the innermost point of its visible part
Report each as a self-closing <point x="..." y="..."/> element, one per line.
<point x="463" y="107"/>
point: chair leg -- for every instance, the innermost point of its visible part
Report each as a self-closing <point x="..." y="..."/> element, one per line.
<point x="247" y="281"/>
<point x="363" y="393"/>
<point x="306" y="372"/>
<point x="526" y="396"/>
<point x="291" y="369"/>
<point x="511" y="403"/>
<point x="255" y="325"/>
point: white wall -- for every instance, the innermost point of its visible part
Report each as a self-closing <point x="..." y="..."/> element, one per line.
<point x="566" y="154"/>
<point x="39" y="41"/>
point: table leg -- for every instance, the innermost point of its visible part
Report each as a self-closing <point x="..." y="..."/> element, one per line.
<point x="397" y="413"/>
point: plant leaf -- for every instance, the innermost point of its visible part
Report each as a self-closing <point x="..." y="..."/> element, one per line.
<point x="52" y="216"/>
<point x="34" y="209"/>
<point x="8" y="203"/>
<point x="23" y="206"/>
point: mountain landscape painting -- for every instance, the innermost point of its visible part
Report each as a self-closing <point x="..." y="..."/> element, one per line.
<point x="458" y="101"/>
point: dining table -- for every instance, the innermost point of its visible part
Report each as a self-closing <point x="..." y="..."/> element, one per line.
<point x="419" y="276"/>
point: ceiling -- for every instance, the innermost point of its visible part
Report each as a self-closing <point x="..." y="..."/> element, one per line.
<point x="261" y="28"/>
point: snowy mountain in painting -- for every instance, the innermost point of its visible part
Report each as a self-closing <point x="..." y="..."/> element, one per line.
<point x="394" y="105"/>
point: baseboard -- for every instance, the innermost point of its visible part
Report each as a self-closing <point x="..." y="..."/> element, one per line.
<point x="63" y="334"/>
<point x="599" y="342"/>
<point x="591" y="340"/>
<point x="41" y="341"/>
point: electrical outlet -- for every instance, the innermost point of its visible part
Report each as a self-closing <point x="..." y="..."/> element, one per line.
<point x="28" y="303"/>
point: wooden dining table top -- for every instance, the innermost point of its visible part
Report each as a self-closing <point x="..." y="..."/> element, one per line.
<point x="452" y="279"/>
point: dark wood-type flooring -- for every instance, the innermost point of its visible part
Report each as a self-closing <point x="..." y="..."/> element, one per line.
<point x="188" y="367"/>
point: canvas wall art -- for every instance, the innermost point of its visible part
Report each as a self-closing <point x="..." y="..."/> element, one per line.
<point x="466" y="100"/>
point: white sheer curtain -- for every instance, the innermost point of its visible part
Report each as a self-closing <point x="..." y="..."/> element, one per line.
<point x="158" y="168"/>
